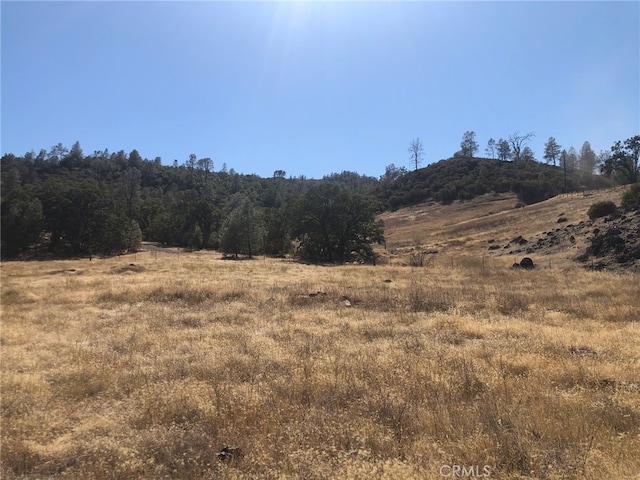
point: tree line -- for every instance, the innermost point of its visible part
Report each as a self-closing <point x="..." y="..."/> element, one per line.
<point x="620" y="161"/>
<point x="62" y="202"/>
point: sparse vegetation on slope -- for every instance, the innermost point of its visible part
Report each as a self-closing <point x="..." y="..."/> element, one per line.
<point x="557" y="231"/>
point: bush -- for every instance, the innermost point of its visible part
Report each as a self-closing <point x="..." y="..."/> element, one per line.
<point x="631" y="198"/>
<point x="601" y="209"/>
<point x="416" y="259"/>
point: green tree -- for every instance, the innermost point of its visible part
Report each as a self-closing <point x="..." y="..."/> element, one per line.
<point x="205" y="165"/>
<point x="112" y="233"/>
<point x="195" y="238"/>
<point x="468" y="145"/>
<point x="132" y="236"/>
<point x="587" y="160"/>
<point x="191" y="166"/>
<point x="22" y="223"/>
<point x="392" y="173"/>
<point x="503" y="150"/>
<point x="601" y="159"/>
<point x="57" y="153"/>
<point x="73" y="158"/>
<point x="527" y="155"/>
<point x="129" y="190"/>
<point x="552" y="151"/>
<point x="490" y="151"/>
<point x="135" y="160"/>
<point x="631" y="198"/>
<point x="278" y="237"/>
<point x="624" y="161"/>
<point x="242" y="231"/>
<point x="334" y="225"/>
<point x="569" y="160"/>
<point x="208" y="218"/>
<point x="81" y="216"/>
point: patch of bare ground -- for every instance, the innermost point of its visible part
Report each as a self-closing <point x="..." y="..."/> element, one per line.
<point x="306" y="372"/>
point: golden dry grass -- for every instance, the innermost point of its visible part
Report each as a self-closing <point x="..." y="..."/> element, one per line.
<point x="114" y="371"/>
<point x="466" y="227"/>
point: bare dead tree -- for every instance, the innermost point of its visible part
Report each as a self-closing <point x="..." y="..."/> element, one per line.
<point x="518" y="143"/>
<point x="416" y="149"/>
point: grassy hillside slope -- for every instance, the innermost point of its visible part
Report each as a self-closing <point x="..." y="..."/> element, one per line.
<point x="473" y="229"/>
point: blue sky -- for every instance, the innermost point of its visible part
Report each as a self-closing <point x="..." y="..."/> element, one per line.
<point x="316" y="87"/>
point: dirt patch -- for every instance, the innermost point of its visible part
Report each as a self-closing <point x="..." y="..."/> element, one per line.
<point x="156" y="247"/>
<point x="66" y="271"/>
<point x="131" y="268"/>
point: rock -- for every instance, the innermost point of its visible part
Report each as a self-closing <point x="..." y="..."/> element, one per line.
<point x="527" y="263"/>
<point x="562" y="219"/>
<point x="228" y="454"/>
<point x="519" y="240"/>
<point x="583" y="351"/>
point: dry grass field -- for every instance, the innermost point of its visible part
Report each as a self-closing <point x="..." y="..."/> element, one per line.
<point x="146" y="366"/>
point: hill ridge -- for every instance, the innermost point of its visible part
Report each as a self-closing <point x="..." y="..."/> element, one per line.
<point x="464" y="178"/>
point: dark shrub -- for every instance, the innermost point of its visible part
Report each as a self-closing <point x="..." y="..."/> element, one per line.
<point x="631" y="197"/>
<point x="601" y="209"/>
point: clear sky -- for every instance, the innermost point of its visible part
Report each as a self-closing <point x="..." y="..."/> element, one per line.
<point x="316" y="87"/>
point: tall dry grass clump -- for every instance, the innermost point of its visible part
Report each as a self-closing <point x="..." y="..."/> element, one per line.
<point x="316" y="372"/>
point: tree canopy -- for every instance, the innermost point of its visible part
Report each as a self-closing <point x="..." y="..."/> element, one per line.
<point x="334" y="224"/>
<point x="624" y="161"/>
<point x="65" y="203"/>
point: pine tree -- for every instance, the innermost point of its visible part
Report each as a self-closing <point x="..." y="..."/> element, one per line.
<point x="552" y="151"/>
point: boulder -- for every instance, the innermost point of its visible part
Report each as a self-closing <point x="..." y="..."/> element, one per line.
<point x="527" y="263"/>
<point x="519" y="240"/>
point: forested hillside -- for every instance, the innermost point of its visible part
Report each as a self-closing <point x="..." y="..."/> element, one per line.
<point x="463" y="178"/>
<point x="65" y="203"/>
